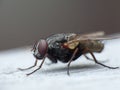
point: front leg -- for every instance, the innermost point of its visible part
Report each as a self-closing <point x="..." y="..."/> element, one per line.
<point x="38" y="67"/>
<point x="23" y="69"/>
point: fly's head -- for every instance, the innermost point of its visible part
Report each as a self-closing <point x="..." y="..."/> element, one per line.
<point x="40" y="49"/>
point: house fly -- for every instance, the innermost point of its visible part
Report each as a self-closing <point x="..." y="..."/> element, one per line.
<point x="67" y="47"/>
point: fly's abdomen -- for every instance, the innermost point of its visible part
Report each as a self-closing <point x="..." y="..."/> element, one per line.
<point x="95" y="46"/>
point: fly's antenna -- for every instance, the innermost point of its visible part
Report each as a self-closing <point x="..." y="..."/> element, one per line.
<point x="34" y="46"/>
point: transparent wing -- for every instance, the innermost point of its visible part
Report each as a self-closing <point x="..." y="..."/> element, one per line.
<point x="108" y="37"/>
<point x="94" y="36"/>
<point x="105" y="37"/>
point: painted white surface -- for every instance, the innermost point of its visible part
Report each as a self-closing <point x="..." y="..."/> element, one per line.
<point x="85" y="75"/>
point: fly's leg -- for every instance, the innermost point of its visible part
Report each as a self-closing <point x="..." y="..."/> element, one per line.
<point x="38" y="67"/>
<point x="99" y="62"/>
<point x="88" y="57"/>
<point x="92" y="59"/>
<point x="71" y="59"/>
<point x="29" y="67"/>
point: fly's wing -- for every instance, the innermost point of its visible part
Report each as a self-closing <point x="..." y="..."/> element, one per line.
<point x="74" y="41"/>
<point x="107" y="37"/>
<point x="95" y="36"/>
<point x="92" y="36"/>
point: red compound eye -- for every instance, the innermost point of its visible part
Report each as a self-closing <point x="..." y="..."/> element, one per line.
<point x="42" y="47"/>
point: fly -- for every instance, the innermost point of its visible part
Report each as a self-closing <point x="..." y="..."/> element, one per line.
<point x="67" y="47"/>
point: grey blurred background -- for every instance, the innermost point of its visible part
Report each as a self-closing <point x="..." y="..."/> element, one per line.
<point x="22" y="22"/>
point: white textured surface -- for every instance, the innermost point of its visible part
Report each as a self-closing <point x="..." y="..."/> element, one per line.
<point x="85" y="75"/>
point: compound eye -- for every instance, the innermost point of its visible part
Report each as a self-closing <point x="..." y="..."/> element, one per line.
<point x="42" y="47"/>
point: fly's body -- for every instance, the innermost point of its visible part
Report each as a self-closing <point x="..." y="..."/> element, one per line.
<point x="68" y="47"/>
<point x="56" y="50"/>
